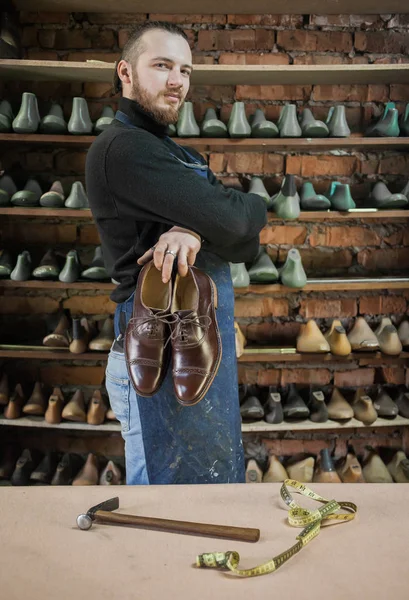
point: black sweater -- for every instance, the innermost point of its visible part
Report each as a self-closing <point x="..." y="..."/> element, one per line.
<point x="137" y="190"/>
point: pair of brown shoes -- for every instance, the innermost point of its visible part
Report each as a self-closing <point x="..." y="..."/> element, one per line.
<point x="181" y="317"/>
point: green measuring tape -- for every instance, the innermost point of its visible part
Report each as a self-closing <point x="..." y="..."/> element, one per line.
<point x="310" y="520"/>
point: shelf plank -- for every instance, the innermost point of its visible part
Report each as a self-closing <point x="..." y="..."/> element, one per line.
<point x="52" y="354"/>
<point x="263" y="427"/>
<point x="226" y="144"/>
<point x="322" y="285"/>
<point x="40" y="423"/>
<point x="214" y="7"/>
<point x="65" y="213"/>
<point x="255" y="427"/>
<point x="43" y="70"/>
<point x="252" y="355"/>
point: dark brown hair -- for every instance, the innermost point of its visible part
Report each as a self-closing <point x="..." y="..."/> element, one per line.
<point x="132" y="47"/>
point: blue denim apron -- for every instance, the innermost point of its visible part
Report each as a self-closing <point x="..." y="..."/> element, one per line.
<point x="164" y="441"/>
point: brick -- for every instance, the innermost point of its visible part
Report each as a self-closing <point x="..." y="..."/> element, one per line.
<point x="311" y="308"/>
<point x="313" y="166"/>
<point x="266" y="20"/>
<point x="267" y="377"/>
<point x="343" y="236"/>
<point x="203" y="60"/>
<point x="44" y="17"/>
<point x="322" y="261"/>
<point x="278" y="58"/>
<point x="283" y="234"/>
<point x="59" y="374"/>
<point x="395" y="239"/>
<point x="38" y="233"/>
<point x="354" y="378"/>
<point x="385" y="259"/>
<point x="27" y="305"/>
<point x="252" y="376"/>
<point x="41" y="55"/>
<point x="278" y="334"/>
<point x="265" y="39"/>
<point x="90" y="305"/>
<point x="88" y="235"/>
<point x="273" y="163"/>
<point x="39" y="161"/>
<point x="306" y="376"/>
<point x="219" y="93"/>
<point x="97" y="90"/>
<point x="394" y="165"/>
<point x="187" y="19"/>
<point x="261" y="307"/>
<point x="320" y="59"/>
<point x="315" y="41"/>
<point x="370" y="305"/>
<point x="292" y="447"/>
<point x="29" y="36"/>
<point x="382" y="42"/>
<point x="238" y="39"/>
<point x="273" y="92"/>
<point x="217" y="163"/>
<point x="395" y="375"/>
<point x="238" y="162"/>
<point x="399" y="92"/>
<point x="393" y="305"/>
<point x="71" y="162"/>
<point x="116" y="18"/>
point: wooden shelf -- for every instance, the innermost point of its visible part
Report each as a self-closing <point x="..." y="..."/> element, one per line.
<point x="263" y="427"/>
<point x="65" y="213"/>
<point x="252" y="355"/>
<point x="40" y="423"/>
<point x="314" y="285"/>
<point x="52" y="354"/>
<point x="225" y="144"/>
<point x="215" y="7"/>
<point x="255" y="427"/>
<point x="58" y="285"/>
<point x="46" y="70"/>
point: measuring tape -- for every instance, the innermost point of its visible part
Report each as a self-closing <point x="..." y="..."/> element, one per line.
<point x="297" y="517"/>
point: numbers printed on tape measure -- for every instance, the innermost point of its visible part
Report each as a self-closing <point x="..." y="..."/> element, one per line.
<point x="310" y="520"/>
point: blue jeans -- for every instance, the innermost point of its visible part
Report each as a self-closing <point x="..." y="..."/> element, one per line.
<point x="169" y="443"/>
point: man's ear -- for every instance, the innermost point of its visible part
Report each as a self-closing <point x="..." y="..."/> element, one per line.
<point x="123" y="71"/>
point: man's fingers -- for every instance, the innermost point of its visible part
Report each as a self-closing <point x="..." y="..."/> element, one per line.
<point x="159" y="255"/>
<point x="171" y="255"/>
<point x="145" y="257"/>
<point x="182" y="261"/>
<point x="191" y="256"/>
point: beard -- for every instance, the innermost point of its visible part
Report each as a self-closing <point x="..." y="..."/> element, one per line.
<point x="163" y="116"/>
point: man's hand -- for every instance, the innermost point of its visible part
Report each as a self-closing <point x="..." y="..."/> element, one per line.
<point x="177" y="243"/>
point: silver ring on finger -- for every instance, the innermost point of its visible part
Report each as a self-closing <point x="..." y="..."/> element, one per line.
<point x="174" y="254"/>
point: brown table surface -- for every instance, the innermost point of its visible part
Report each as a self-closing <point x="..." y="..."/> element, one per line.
<point x="44" y="555"/>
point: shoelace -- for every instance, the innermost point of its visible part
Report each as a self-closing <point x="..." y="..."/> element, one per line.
<point x="180" y="331"/>
<point x="152" y="321"/>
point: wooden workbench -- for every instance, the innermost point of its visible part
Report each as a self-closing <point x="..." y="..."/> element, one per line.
<point x="44" y="556"/>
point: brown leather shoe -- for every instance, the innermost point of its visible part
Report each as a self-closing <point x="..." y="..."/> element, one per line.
<point x="196" y="343"/>
<point x="89" y="472"/>
<point x="103" y="341"/>
<point x="349" y="469"/>
<point x="310" y="339"/>
<point x="60" y="337"/>
<point x="96" y="409"/>
<point x="337" y="339"/>
<point x="36" y="404"/>
<point x="74" y="410"/>
<point x="55" y="406"/>
<point x="146" y="352"/>
<point x="14" y="408"/>
<point x="82" y="332"/>
<point x="253" y="472"/>
<point x="4" y="390"/>
<point x="361" y="337"/>
<point x="338" y="407"/>
<point x="111" y="475"/>
<point x="363" y="408"/>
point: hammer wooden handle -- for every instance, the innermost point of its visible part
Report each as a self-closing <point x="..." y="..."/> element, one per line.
<point x="241" y="534"/>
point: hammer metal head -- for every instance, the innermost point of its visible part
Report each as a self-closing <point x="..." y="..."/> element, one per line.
<point x="84" y="521"/>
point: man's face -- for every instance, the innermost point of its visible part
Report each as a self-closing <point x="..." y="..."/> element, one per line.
<point x="161" y="75"/>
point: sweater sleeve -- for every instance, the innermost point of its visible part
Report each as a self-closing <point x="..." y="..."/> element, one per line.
<point x="147" y="183"/>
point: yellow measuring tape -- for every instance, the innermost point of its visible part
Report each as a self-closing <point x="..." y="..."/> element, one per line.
<point x="297" y="517"/>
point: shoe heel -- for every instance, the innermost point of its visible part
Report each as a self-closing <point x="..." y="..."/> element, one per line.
<point x="215" y="297"/>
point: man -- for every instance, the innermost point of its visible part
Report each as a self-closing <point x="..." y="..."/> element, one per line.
<point x="151" y="198"/>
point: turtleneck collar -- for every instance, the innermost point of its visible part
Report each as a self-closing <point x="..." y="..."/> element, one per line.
<point x="140" y="117"/>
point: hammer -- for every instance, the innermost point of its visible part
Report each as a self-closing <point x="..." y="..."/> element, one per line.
<point x="102" y="513"/>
